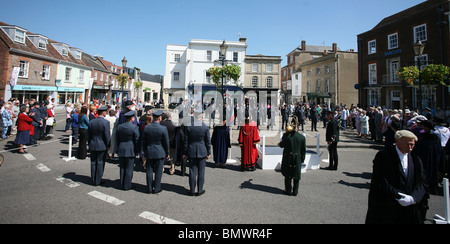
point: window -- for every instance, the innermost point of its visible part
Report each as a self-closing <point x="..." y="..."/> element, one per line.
<point x="101" y="77"/>
<point x="65" y="51"/>
<point x="373" y="97"/>
<point x="254" y="81"/>
<point x="269" y="82"/>
<point x="308" y="87"/>
<point x="68" y="74"/>
<point x="372" y="74"/>
<point x="176" y="76"/>
<point x="423" y="61"/>
<point x="327" y="86"/>
<point x="177" y="57"/>
<point x="81" y="77"/>
<point x="318" y="86"/>
<point x="254" y="67"/>
<point x="209" y="56"/>
<point x="372" y="46"/>
<point x="208" y="77"/>
<point x="327" y="69"/>
<point x="19" y="36"/>
<point x="235" y="56"/>
<point x="420" y="33"/>
<point x="394" y="66"/>
<point x="393" y="41"/>
<point x="46" y="72"/>
<point x="24" y="67"/>
<point x="42" y="43"/>
<point x="318" y="71"/>
<point x="269" y="68"/>
<point x="308" y="73"/>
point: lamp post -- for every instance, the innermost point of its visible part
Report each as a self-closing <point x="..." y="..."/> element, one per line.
<point x="223" y="51"/>
<point x="418" y="50"/>
<point x="124" y="64"/>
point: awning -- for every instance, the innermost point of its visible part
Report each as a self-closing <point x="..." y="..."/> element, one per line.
<point x="212" y="87"/>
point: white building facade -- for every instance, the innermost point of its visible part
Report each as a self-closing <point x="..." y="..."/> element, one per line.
<point x="187" y="65"/>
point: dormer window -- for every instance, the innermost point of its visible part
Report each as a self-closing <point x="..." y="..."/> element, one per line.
<point x="65" y="51"/>
<point x="16" y="33"/>
<point x="39" y="41"/>
<point x="75" y="52"/>
<point x="62" y="48"/>
<point x="20" y="36"/>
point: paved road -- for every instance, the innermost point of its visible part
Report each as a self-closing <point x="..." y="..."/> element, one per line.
<point x="42" y="188"/>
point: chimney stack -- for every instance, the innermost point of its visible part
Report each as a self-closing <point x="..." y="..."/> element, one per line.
<point x="243" y="39"/>
<point x="303" y="45"/>
<point x="335" y="48"/>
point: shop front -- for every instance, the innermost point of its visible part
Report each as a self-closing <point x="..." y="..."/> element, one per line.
<point x="70" y="94"/>
<point x="28" y="92"/>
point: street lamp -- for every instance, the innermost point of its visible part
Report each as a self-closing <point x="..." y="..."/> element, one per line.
<point x="418" y="50"/>
<point x="124" y="64"/>
<point x="223" y="51"/>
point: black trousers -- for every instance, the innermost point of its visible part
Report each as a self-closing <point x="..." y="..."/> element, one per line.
<point x="332" y="149"/>
<point x="82" y="145"/>
<point x="288" y="185"/>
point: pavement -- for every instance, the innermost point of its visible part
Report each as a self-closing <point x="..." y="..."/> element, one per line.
<point x="40" y="187"/>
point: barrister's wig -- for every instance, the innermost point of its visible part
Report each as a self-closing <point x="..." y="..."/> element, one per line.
<point x="405" y="134"/>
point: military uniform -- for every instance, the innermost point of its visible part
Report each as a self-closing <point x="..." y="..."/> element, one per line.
<point x="155" y="141"/>
<point x="127" y="137"/>
<point x="99" y="141"/>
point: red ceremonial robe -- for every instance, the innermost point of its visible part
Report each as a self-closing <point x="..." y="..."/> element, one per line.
<point x="248" y="137"/>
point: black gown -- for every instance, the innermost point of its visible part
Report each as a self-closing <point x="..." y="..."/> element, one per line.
<point x="220" y="141"/>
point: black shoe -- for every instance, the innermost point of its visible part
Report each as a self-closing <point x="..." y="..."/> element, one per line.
<point x="191" y="194"/>
<point x="201" y="193"/>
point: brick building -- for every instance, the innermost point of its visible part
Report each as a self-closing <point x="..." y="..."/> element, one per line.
<point x="388" y="47"/>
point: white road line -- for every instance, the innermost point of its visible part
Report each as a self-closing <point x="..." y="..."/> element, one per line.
<point x="29" y="156"/>
<point x="106" y="198"/>
<point x="158" y="218"/>
<point x="42" y="167"/>
<point x="67" y="182"/>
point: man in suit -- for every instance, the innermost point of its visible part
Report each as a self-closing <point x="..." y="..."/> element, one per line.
<point x="99" y="142"/>
<point x="127" y="137"/>
<point x="332" y="137"/>
<point x="398" y="191"/>
<point x="156" y="145"/>
<point x="197" y="149"/>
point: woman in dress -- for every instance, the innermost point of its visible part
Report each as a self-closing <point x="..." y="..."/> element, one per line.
<point x="364" y="124"/>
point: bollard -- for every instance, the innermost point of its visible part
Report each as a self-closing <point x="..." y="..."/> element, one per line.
<point x="70" y="158"/>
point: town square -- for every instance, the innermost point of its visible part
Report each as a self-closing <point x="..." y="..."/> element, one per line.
<point x="211" y="127"/>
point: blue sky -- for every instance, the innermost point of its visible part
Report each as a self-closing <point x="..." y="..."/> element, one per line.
<point x="141" y="29"/>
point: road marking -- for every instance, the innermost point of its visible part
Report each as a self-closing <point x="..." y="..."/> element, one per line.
<point x="158" y="218"/>
<point x="42" y="167"/>
<point x="67" y="182"/>
<point x="106" y="198"/>
<point x="29" y="156"/>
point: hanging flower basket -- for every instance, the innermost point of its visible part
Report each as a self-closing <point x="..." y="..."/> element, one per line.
<point x="435" y="74"/>
<point x="123" y="79"/>
<point x="409" y="74"/>
<point x="232" y="71"/>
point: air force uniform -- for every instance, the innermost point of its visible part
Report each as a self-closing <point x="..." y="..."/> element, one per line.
<point x="127" y="137"/>
<point x="197" y="147"/>
<point x="156" y="148"/>
<point x="99" y="141"/>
